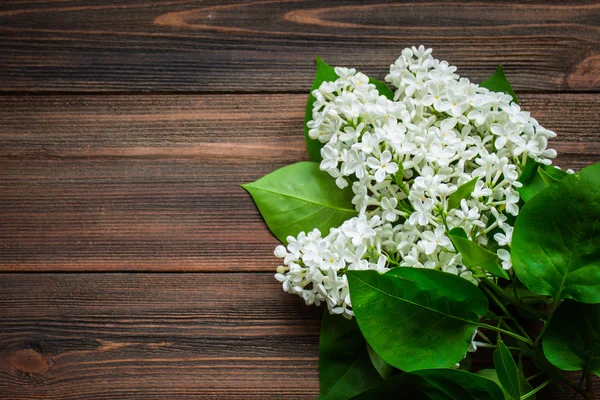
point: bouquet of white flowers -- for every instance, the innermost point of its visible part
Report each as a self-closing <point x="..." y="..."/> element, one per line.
<point x="429" y="216"/>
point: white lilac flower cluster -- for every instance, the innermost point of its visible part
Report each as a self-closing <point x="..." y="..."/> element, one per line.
<point x="404" y="159"/>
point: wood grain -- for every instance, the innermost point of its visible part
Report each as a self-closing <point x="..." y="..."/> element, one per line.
<point x="99" y="176"/>
<point x="269" y="45"/>
<point x="155" y="336"/>
<point x="151" y="183"/>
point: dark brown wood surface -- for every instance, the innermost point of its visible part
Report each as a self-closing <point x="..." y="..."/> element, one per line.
<point x="132" y="265"/>
<point x="155" y="336"/>
<point x="269" y="45"/>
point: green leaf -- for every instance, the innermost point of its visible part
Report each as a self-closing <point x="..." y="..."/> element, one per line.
<point x="300" y="197"/>
<point x="416" y="318"/>
<point x="492" y="375"/>
<point x="458" y="232"/>
<point x="536" y="177"/>
<point x="572" y="340"/>
<point x="464" y="191"/>
<point x="506" y="368"/>
<point x="466" y="363"/>
<point x="474" y="255"/>
<point x="553" y="173"/>
<point x="435" y="384"/>
<point x="531" y="180"/>
<point x="382" y="88"/>
<point x="523" y="384"/>
<point x="399" y="179"/>
<point x="529" y="170"/>
<point x="556" y="240"/>
<point x="384" y="369"/>
<point x="325" y="73"/>
<point x="344" y="365"/>
<point x="499" y="83"/>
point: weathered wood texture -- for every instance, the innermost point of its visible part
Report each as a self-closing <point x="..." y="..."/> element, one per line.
<point x="124" y="180"/>
<point x="262" y="46"/>
<point x="152" y="182"/>
<point x="155" y="336"/>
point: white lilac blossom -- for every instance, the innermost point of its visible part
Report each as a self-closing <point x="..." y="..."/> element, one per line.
<point x="403" y="159"/>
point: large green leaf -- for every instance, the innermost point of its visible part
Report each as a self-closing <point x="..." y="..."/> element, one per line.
<point x="416" y="318"/>
<point x="473" y="255"/>
<point x="492" y="375"/>
<point x="384" y="369"/>
<point x="435" y="384"/>
<point x="464" y="191"/>
<point x="523" y="384"/>
<point x="325" y="73"/>
<point x="556" y="241"/>
<point x="344" y="365"/>
<point x="499" y="83"/>
<point x="300" y="197"/>
<point x="536" y="177"/>
<point x="506" y="368"/>
<point x="572" y="341"/>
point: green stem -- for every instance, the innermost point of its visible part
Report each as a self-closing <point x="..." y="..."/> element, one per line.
<point x="484" y="337"/>
<point x="508" y="333"/>
<point x="505" y="311"/>
<point x="535" y="375"/>
<point x="547" y="323"/>
<point x="404" y="189"/>
<point x="447" y="229"/>
<point x="589" y="385"/>
<point x="493" y="346"/>
<point x="537" y="389"/>
<point x="579" y="385"/>
<point x="502" y="293"/>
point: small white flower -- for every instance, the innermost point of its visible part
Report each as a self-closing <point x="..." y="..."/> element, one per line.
<point x="381" y="265"/>
<point x="422" y="212"/>
<point x="505" y="259"/>
<point x="368" y="143"/>
<point x="504" y="133"/>
<point x="431" y="240"/>
<point x="280" y="252"/>
<point x="358" y="230"/>
<point x="481" y="190"/>
<point x="504" y="239"/>
<point x="330" y="158"/>
<point x="471" y="215"/>
<point x="512" y="199"/>
<point x="388" y="206"/>
<point x="356" y="258"/>
<point x="351" y="133"/>
<point x="383" y="166"/>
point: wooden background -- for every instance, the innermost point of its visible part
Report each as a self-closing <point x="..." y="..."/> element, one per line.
<point x="132" y="265"/>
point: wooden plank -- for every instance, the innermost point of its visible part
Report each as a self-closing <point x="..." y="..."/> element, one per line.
<point x="267" y="46"/>
<point x="140" y="183"/>
<point x="98" y="183"/>
<point x="155" y="336"/>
